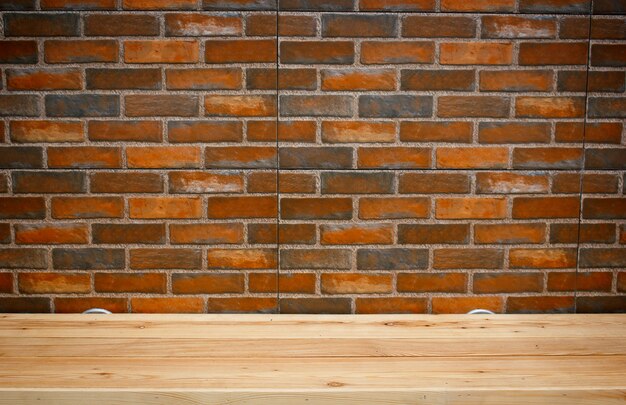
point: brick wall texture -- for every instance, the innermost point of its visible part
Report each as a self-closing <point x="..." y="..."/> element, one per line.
<point x="313" y="156"/>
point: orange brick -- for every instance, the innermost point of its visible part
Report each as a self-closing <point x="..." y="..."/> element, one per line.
<point x="133" y="283"/>
<point x="393" y="158"/>
<point x="542" y="258"/>
<point x="493" y="283"/>
<point x="391" y="52"/>
<point x="240" y="51"/>
<point x="242" y="207"/>
<point x="545" y="207"/>
<point x="202" y="182"/>
<point x="427" y="282"/>
<point x="167" y="305"/>
<point x="303" y="283"/>
<point x="158" y="4"/>
<point x="240" y="106"/>
<point x="163" y="157"/>
<point x="161" y="51"/>
<point x="84" y="157"/>
<point x="242" y="258"/>
<point x="462" y="305"/>
<point x="44" y="79"/>
<point x="553" y="53"/>
<point x="358" y="80"/>
<point x="356" y="234"/>
<point x="87" y="207"/>
<point x="54" y="283"/>
<point x="357" y="131"/>
<point x="510" y="183"/>
<point x="509" y="233"/>
<point x="391" y="305"/>
<point x="393" y="208"/>
<point x="81" y="51"/>
<point x="423" y="131"/>
<point x="355" y="283"/>
<point x="476" y="53"/>
<point x="46" y="131"/>
<point x="210" y="234"/>
<point x="549" y="107"/>
<point x="203" y="79"/>
<point x="471" y="158"/>
<point x="140" y="131"/>
<point x="51" y="233"/>
<point x="207" y="283"/>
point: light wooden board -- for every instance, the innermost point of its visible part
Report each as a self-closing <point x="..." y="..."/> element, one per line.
<point x="296" y="359"/>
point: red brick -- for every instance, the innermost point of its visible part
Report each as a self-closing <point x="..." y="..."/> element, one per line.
<point x="509" y="233"/>
<point x="51" y="233"/>
<point x="428" y="183"/>
<point x="54" y="283"/>
<point x="471" y="158"/>
<point x="204" y="131"/>
<point x="389" y="52"/>
<point x="44" y="79"/>
<point x="158" y="4"/>
<point x="288" y="131"/>
<point x="545" y="207"/>
<point x="317" y="52"/>
<point x="163" y="157"/>
<point x="429" y="234"/>
<point x="240" y="106"/>
<point x="120" y="25"/>
<point x="547" y="158"/>
<point x="438" y="27"/>
<point x="302" y="283"/>
<point x="357" y="183"/>
<point x="240" y="157"/>
<point x="22" y="207"/>
<point x="592" y="183"/>
<point x="240" y="51"/>
<point x="161" y="51"/>
<point x="534" y="304"/>
<point x="115" y="79"/>
<point x="79" y="305"/>
<point x="475" y="53"/>
<point x="81" y="51"/>
<point x="473" y="106"/>
<point x="207" y="283"/>
<point x="192" y="25"/>
<point x="462" y="305"/>
<point x="243" y="305"/>
<point x="589" y="233"/>
<point x="191" y="305"/>
<point x="18" y="51"/>
<point x="120" y="131"/>
<point x="210" y="234"/>
<point x="596" y="132"/>
<point x="289" y="233"/>
<point x="355" y="283"/>
<point x="394" y="158"/>
<point x="466" y="208"/>
<point x="165" y="207"/>
<point x="510" y="80"/>
<point x="481" y="258"/>
<point x="242" y="207"/>
<point x="87" y="207"/>
<point x="493" y="283"/>
<point x="553" y="53"/>
<point x="608" y="55"/>
<point x="288" y="79"/>
<point x="46" y="131"/>
<point x="365" y="234"/>
<point x="604" y="208"/>
<point x="48" y="182"/>
<point x="154" y="283"/>
<point x="542" y="258"/>
<point x="478" y="5"/>
<point x="162" y="105"/>
<point x="437" y="282"/>
<point x="363" y="25"/>
<point x="126" y="182"/>
<point x="358" y="80"/>
<point x="393" y="208"/>
<point x="165" y="258"/>
<point x="427" y="80"/>
<point x="424" y="131"/>
<point x="128" y="233"/>
<point x="262" y="182"/>
<point x="203" y="79"/>
<point x="6" y="283"/>
<point x="84" y="157"/>
<point x="569" y="281"/>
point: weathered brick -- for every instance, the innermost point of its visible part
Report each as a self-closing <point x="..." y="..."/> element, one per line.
<point x="573" y="80"/>
<point x="357" y="131"/>
<point x="389" y="52"/>
<point x="158" y="4"/>
<point x="394" y="158"/>
<point x="287" y="233"/>
<point x="18" y="51"/>
<point x="46" y="131"/>
<point x="163" y="156"/>
<point x="608" y="55"/>
<point x="450" y="80"/>
<point x="288" y="25"/>
<point x="493" y="283"/>
<point x="604" y="208"/>
<point x="393" y="207"/>
<point x="22" y="208"/>
<point x="43" y="79"/>
<point x="589" y="233"/>
<point x="316" y="106"/>
<point x="241" y="258"/>
<point x="547" y="158"/>
<point x="303" y="283"/>
<point x="475" y="53"/>
<point x="240" y="106"/>
<point x="240" y="157"/>
<point x="396" y="106"/>
<point x="203" y="79"/>
<point x="81" y="51"/>
<point x="509" y="233"/>
<point x="602" y="304"/>
<point x="25" y="304"/>
<point x="128" y="233"/>
<point x="188" y="25"/>
<point x="126" y="182"/>
<point x="84" y="157"/>
<point x="121" y="25"/>
<point x="589" y="281"/>
<point x="190" y="305"/>
<point x="87" y="258"/>
<point x="355" y="283"/>
<point x="237" y="5"/>
<point x="315" y="157"/>
<point x="478" y="5"/>
<point x="428" y="183"/>
<point x="541" y="304"/>
<point x="114" y="79"/>
<point x="392" y="259"/>
<point x="553" y="53"/>
<point x="316" y="208"/>
<point x="438" y="282"/>
<point x="591" y="183"/>
<point x="462" y="305"/>
<point x="23" y="258"/>
<point x="87" y="207"/>
<point x="202" y="182"/>
<point x="48" y="182"/>
<point x="425" y="131"/>
<point x="315" y="305"/>
<point x="511" y="183"/>
<point x="345" y="25"/>
<point x="41" y="25"/>
<point x="607" y="107"/>
<point x="204" y="131"/>
<point x="288" y="79"/>
<point x="82" y="105"/>
<point x="542" y="258"/>
<point x="511" y="80"/>
<point x="470" y="208"/>
<point x="549" y="107"/>
<point x="357" y="183"/>
<point x="80" y="304"/>
<point x="438" y="27"/>
<point x="21" y="157"/>
<point x="317" y="52"/>
<point x="165" y="207"/>
<point x="396" y="5"/>
<point x="468" y="258"/>
<point x="162" y="105"/>
<point x="518" y="27"/>
<point x="428" y="234"/>
<point x="24" y="105"/>
<point x="473" y="106"/>
<point x="161" y="51"/>
<point x="315" y="259"/>
<point x="602" y="257"/>
<point x="165" y="258"/>
<point x="596" y="132"/>
<point x="51" y="234"/>
<point x="243" y="305"/>
<point x="391" y="305"/>
<point x="358" y="80"/>
<point x="18" y="5"/>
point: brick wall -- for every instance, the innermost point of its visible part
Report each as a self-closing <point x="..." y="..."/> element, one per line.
<point x="413" y="156"/>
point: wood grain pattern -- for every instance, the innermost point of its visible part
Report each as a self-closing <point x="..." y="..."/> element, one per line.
<point x="293" y="359"/>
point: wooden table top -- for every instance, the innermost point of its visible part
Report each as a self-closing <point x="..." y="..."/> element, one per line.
<point x="287" y="359"/>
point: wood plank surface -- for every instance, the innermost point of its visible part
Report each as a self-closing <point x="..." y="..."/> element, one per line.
<point x="293" y="359"/>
